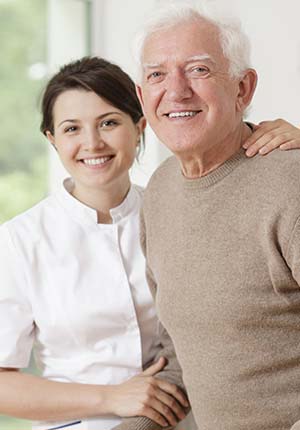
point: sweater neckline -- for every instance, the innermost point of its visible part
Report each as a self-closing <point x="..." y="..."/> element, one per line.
<point x="216" y="175"/>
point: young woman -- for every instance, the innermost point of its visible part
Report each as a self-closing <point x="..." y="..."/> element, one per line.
<point x="72" y="272"/>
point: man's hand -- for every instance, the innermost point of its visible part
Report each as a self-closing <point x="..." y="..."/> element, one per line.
<point x="145" y="395"/>
<point x="269" y="135"/>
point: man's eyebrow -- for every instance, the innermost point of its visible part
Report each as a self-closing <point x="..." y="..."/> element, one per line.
<point x="151" y="65"/>
<point x="200" y="57"/>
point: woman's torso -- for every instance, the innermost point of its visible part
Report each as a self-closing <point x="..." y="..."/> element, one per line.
<point x="93" y="319"/>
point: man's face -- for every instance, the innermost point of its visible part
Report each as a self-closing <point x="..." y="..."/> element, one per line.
<point x="186" y="92"/>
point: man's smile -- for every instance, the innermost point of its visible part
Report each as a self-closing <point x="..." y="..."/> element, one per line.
<point x="182" y="114"/>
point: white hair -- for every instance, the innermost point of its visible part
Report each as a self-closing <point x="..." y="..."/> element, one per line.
<point x="234" y="42"/>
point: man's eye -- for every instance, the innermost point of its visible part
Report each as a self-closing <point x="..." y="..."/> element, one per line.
<point x="200" y="70"/>
<point x="155" y="76"/>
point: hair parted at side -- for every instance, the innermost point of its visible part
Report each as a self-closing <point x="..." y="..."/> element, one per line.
<point x="95" y="74"/>
<point x="234" y="42"/>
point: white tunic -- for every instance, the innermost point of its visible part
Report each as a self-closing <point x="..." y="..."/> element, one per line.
<point x="77" y="290"/>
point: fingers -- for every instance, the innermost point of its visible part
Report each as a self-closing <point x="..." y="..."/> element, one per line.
<point x="156" y="367"/>
<point x="269" y="142"/>
<point x="258" y="134"/>
<point x="166" y="399"/>
<point x="178" y="412"/>
<point x="165" y="412"/>
<point x="263" y="128"/>
<point x="155" y="416"/>
<point x="174" y="391"/>
<point x="269" y="125"/>
<point x="161" y="406"/>
<point x="149" y="396"/>
<point x="293" y="144"/>
<point x="283" y="141"/>
<point x="270" y="135"/>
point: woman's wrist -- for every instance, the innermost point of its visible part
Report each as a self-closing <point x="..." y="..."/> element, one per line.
<point x="104" y="399"/>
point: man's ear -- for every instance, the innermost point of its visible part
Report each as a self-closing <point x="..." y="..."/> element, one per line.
<point x="51" y="138"/>
<point x="139" y="93"/>
<point x="247" y="85"/>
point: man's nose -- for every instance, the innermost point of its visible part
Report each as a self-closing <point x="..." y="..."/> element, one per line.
<point x="178" y="87"/>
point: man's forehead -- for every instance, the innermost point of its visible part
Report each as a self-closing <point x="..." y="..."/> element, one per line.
<point x="189" y="39"/>
<point x="159" y="61"/>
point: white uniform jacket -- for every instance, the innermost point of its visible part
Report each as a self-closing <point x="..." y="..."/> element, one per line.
<point x="77" y="291"/>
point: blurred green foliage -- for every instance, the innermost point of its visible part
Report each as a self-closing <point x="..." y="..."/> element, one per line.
<point x="23" y="149"/>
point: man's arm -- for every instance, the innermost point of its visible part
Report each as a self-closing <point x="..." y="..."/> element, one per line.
<point x="172" y="371"/>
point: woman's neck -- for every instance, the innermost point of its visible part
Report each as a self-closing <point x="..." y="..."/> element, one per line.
<point x="103" y="199"/>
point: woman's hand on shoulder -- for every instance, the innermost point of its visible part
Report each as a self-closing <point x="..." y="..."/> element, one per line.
<point x="269" y="135"/>
<point x="145" y="395"/>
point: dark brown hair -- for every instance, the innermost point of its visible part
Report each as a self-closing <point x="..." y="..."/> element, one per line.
<point x="95" y="74"/>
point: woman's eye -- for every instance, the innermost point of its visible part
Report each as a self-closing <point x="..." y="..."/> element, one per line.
<point x="70" y="129"/>
<point x="108" y="123"/>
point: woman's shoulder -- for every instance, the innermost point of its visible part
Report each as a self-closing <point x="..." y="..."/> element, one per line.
<point x="30" y="222"/>
<point x="138" y="190"/>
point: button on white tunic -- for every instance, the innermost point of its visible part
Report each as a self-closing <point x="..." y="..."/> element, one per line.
<point x="77" y="290"/>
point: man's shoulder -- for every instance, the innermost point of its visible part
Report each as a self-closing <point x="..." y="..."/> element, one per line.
<point x="278" y="156"/>
<point x="281" y="166"/>
<point x="164" y="173"/>
<point x="273" y="181"/>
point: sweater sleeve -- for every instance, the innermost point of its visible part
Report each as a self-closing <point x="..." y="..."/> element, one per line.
<point x="172" y="371"/>
<point x="293" y="252"/>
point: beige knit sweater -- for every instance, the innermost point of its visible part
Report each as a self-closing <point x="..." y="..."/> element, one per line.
<point x="223" y="256"/>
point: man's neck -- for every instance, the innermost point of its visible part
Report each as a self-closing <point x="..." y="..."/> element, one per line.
<point x="201" y="163"/>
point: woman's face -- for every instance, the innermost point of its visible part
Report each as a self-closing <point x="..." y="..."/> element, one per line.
<point x="96" y="141"/>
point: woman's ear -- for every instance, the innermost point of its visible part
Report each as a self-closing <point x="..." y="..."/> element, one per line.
<point x="139" y="93"/>
<point x="51" y="138"/>
<point x="247" y="85"/>
<point x="141" y="125"/>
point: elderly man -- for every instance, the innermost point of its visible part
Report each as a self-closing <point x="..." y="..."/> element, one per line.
<point x="221" y="231"/>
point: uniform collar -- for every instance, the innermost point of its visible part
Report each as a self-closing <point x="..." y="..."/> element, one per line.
<point x="87" y="215"/>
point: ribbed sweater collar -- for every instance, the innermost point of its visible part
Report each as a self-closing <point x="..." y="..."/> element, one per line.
<point x="216" y="175"/>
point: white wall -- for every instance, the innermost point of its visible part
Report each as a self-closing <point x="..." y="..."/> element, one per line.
<point x="274" y="31"/>
<point x="66" y="42"/>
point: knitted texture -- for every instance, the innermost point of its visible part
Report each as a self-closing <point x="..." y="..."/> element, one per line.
<point x="223" y="255"/>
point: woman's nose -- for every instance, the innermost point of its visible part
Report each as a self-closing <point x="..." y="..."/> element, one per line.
<point x="94" y="140"/>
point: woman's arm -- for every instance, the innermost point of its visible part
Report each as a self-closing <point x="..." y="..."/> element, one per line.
<point x="269" y="135"/>
<point x="32" y="397"/>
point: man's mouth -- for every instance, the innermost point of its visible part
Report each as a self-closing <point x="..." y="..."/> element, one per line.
<point x="182" y="114"/>
<point x="97" y="160"/>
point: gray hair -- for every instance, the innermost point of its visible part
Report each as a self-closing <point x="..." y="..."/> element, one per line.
<point x="234" y="42"/>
